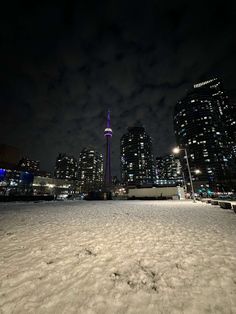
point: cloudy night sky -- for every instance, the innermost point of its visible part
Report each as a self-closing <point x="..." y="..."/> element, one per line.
<point x="64" y="65"/>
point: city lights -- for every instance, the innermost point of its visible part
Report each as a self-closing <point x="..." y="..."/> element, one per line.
<point x="203" y="125"/>
<point x="137" y="164"/>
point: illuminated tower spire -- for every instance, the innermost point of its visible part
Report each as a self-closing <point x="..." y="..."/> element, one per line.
<point x="108" y="135"/>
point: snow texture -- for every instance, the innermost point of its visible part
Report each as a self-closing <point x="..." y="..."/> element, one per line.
<point x="117" y="257"/>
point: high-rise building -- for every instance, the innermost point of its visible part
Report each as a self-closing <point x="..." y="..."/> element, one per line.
<point x="200" y="124"/>
<point x="168" y="170"/>
<point x="108" y="136"/>
<point x="90" y="170"/>
<point x="66" y="167"/>
<point x="137" y="166"/>
<point x="230" y="121"/>
<point x="26" y="164"/>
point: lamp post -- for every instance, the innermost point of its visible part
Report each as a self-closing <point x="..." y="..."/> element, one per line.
<point x="176" y="150"/>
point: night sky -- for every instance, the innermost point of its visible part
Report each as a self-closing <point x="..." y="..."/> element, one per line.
<point x="64" y="65"/>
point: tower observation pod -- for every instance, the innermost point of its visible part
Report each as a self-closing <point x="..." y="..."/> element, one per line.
<point x="108" y="136"/>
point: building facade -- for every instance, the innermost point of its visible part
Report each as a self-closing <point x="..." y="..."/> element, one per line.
<point x="230" y="117"/>
<point x="15" y="182"/>
<point x="200" y="125"/>
<point x="26" y="164"/>
<point x="90" y="170"/>
<point x="137" y="165"/>
<point x="66" y="167"/>
<point x="168" y="170"/>
<point x="52" y="186"/>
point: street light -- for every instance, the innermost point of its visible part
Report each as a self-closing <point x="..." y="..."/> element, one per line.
<point x="176" y="150"/>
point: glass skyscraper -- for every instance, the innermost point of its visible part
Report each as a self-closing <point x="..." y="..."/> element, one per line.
<point x="168" y="170"/>
<point x="200" y="124"/>
<point x="137" y="166"/>
<point x="90" y="170"/>
<point x="66" y="167"/>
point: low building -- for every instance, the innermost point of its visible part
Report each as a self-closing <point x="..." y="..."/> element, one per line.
<point x="15" y="182"/>
<point x="52" y="186"/>
<point x="174" y="192"/>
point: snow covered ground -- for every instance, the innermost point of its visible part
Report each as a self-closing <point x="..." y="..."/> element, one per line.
<point x="117" y="257"/>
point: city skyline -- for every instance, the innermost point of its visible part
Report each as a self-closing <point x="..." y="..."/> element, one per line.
<point x="205" y="129"/>
<point x="102" y="148"/>
<point x="64" y="65"/>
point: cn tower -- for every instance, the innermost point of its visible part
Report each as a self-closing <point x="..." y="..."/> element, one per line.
<point x="108" y="135"/>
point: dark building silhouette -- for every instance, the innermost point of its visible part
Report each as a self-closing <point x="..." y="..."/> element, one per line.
<point x="137" y="166"/>
<point x="66" y="167"/>
<point x="168" y="170"/>
<point x="26" y="164"/>
<point x="9" y="156"/>
<point x="115" y="181"/>
<point x="90" y="170"/>
<point x="201" y="124"/>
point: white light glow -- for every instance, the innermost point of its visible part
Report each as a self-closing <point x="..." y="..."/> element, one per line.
<point x="176" y="150"/>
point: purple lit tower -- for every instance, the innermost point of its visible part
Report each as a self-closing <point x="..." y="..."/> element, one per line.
<point x="108" y="135"/>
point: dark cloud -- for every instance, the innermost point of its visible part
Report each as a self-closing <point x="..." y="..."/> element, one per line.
<point x="63" y="66"/>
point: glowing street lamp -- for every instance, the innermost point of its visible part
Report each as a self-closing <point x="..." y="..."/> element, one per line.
<point x="176" y="150"/>
<point x="197" y="171"/>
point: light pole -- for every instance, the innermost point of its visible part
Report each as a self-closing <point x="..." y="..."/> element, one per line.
<point x="176" y="150"/>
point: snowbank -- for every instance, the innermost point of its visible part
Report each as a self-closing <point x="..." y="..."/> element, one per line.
<point x="117" y="257"/>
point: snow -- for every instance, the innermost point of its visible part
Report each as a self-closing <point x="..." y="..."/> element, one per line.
<point x="117" y="257"/>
